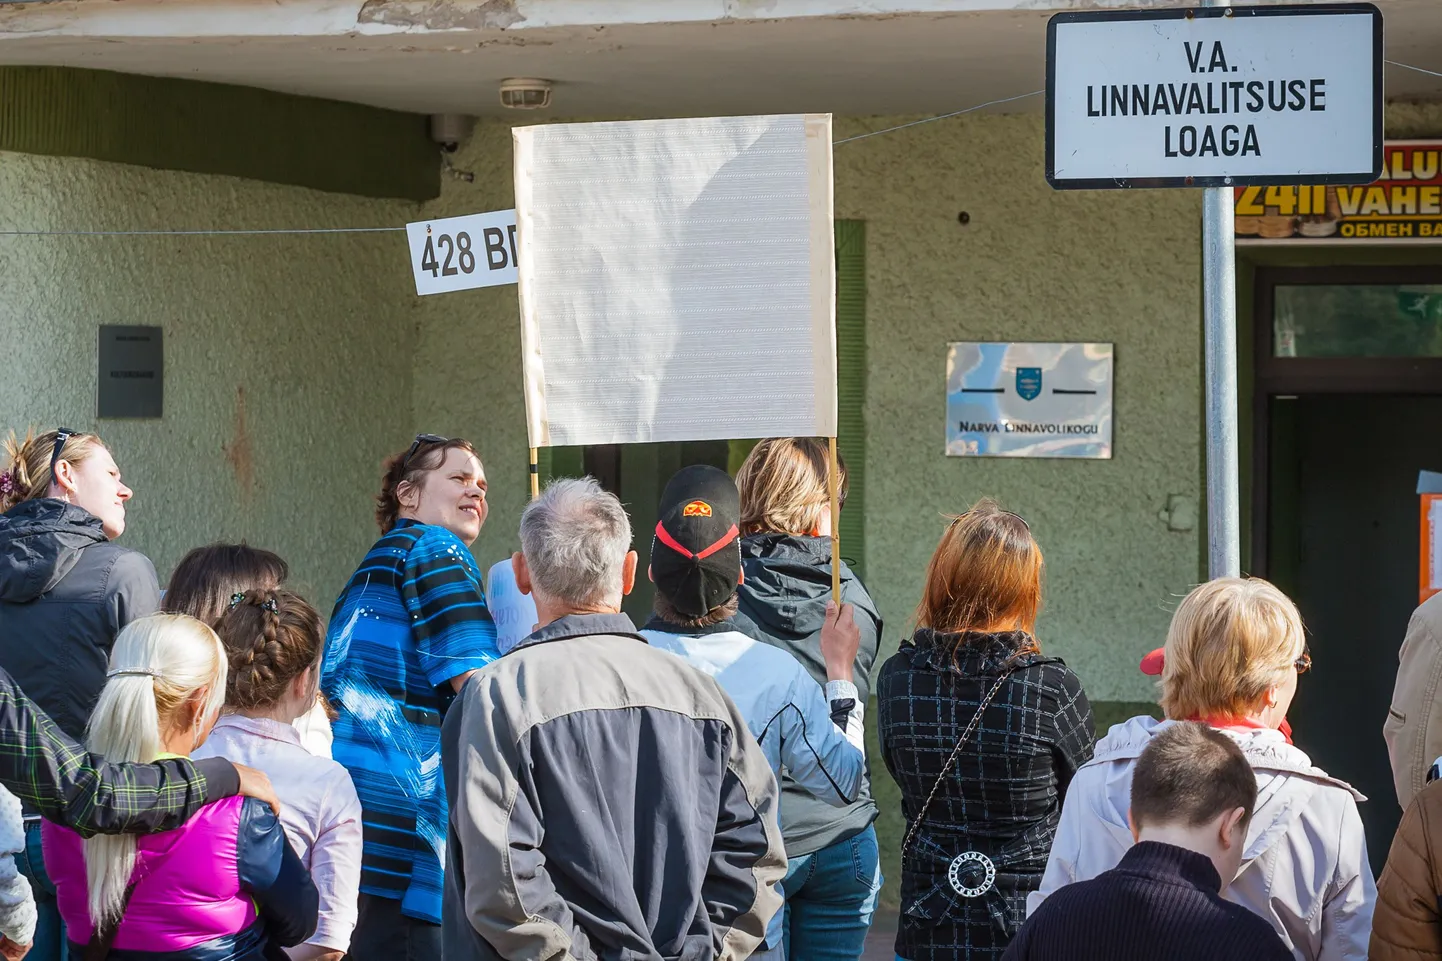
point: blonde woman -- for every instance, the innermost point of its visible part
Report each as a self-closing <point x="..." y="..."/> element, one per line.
<point x="62" y="505"/>
<point x="62" y="577"/>
<point x="834" y="873"/>
<point x="1233" y="656"/>
<point x="226" y="884"/>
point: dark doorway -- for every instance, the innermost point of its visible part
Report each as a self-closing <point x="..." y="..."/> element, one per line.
<point x="1348" y="390"/>
<point x="1344" y="546"/>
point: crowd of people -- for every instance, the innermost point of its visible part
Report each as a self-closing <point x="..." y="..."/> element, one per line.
<point x="258" y="782"/>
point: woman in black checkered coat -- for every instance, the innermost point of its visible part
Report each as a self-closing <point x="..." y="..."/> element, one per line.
<point x="981" y="807"/>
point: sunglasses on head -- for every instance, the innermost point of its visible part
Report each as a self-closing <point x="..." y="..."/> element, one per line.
<point x="1303" y="664"/>
<point x="958" y="517"/>
<point x="415" y="445"/>
<point x="61" y="436"/>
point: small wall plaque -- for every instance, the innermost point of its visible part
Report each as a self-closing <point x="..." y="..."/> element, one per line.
<point x="132" y="372"/>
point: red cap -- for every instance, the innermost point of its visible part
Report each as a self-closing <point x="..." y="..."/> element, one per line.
<point x="1152" y="665"/>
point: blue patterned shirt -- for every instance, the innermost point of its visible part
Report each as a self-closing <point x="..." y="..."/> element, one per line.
<point x="412" y="617"/>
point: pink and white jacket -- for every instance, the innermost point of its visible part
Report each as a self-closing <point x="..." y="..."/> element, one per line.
<point x="222" y="887"/>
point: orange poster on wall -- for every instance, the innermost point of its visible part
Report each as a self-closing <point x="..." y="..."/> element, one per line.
<point x="1404" y="206"/>
<point x="1429" y="561"/>
<point x="1431" y="578"/>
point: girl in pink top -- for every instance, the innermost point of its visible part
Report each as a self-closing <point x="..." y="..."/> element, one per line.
<point x="273" y="639"/>
<point x="225" y="886"/>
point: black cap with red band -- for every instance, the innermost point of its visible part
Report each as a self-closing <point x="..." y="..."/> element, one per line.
<point x="696" y="555"/>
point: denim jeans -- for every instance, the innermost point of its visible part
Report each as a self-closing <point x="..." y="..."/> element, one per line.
<point x="830" y="897"/>
<point x="49" y="943"/>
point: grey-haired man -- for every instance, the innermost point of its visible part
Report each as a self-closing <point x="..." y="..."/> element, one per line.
<point x="606" y="798"/>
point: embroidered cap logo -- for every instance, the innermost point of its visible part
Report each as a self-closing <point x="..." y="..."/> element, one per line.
<point x="696" y="509"/>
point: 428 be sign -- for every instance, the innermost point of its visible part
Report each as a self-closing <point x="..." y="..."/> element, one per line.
<point x="461" y="253"/>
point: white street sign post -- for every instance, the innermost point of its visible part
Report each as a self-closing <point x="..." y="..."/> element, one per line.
<point x="1216" y="97"/>
<point x="462" y="253"/>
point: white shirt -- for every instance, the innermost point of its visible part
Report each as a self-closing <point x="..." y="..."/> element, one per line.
<point x="320" y="812"/>
<point x="786" y="712"/>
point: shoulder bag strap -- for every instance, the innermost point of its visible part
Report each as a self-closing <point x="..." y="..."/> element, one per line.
<point x="945" y="768"/>
<point x="104" y="936"/>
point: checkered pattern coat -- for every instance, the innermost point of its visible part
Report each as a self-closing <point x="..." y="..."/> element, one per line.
<point x="1003" y="795"/>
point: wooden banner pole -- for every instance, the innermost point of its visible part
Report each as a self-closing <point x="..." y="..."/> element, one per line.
<point x="535" y="475"/>
<point x="833" y="488"/>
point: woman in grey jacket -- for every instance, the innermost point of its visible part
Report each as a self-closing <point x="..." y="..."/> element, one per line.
<point x="834" y="874"/>
<point x="65" y="591"/>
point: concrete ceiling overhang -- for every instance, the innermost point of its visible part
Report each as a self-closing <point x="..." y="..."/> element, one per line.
<point x="609" y="57"/>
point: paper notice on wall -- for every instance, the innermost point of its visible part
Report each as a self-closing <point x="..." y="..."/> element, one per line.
<point x="677" y="279"/>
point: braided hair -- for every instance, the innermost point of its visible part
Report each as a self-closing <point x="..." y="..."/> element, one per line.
<point x="271" y="637"/>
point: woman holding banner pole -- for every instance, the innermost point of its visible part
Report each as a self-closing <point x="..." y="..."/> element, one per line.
<point x="834" y="876"/>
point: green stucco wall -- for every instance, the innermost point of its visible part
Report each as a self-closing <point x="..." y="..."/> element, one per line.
<point x="314" y="332"/>
<point x="1032" y="264"/>
<point x="339" y="363"/>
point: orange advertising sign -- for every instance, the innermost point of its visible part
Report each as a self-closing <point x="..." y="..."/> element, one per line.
<point x="1404" y="206"/>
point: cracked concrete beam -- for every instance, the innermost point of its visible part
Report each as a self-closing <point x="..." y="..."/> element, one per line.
<point x="441" y="14"/>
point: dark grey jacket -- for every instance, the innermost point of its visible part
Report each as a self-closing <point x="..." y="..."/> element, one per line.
<point x="607" y="801"/>
<point x="65" y="592"/>
<point x="783" y="602"/>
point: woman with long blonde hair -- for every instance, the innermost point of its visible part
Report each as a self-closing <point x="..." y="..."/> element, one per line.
<point x="226" y="883"/>
<point x="983" y="733"/>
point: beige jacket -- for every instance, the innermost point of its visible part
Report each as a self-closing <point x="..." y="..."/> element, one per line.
<point x="1305" y="865"/>
<point x="1413" y="729"/>
<point x="1407" y="925"/>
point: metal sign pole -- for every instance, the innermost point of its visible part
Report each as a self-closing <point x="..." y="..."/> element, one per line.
<point x="1219" y="305"/>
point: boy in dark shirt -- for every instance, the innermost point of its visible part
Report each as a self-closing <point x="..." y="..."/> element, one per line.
<point x="1192" y="795"/>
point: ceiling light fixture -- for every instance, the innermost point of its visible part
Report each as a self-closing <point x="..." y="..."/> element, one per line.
<point x="524" y="93"/>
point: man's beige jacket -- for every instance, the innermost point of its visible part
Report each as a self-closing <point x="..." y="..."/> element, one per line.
<point x="1413" y="728"/>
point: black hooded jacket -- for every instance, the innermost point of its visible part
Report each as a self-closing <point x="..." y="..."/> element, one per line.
<point x="65" y="592"/>
<point x="783" y="595"/>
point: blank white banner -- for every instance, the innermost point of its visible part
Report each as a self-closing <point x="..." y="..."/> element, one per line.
<point x="677" y="279"/>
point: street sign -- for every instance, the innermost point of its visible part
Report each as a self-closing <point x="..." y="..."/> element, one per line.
<point x="461" y="253"/>
<point x="1215" y="96"/>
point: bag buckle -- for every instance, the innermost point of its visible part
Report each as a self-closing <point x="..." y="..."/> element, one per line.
<point x="967" y="870"/>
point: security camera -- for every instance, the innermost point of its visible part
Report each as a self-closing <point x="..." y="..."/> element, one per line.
<point x="450" y="130"/>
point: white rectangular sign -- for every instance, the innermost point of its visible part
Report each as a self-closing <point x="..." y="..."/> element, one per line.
<point x="460" y="253"/>
<point x="677" y="279"/>
<point x="1029" y="400"/>
<point x="1215" y="96"/>
<point x="513" y="612"/>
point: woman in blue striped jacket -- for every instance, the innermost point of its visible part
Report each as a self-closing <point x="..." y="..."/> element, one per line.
<point x="408" y="630"/>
